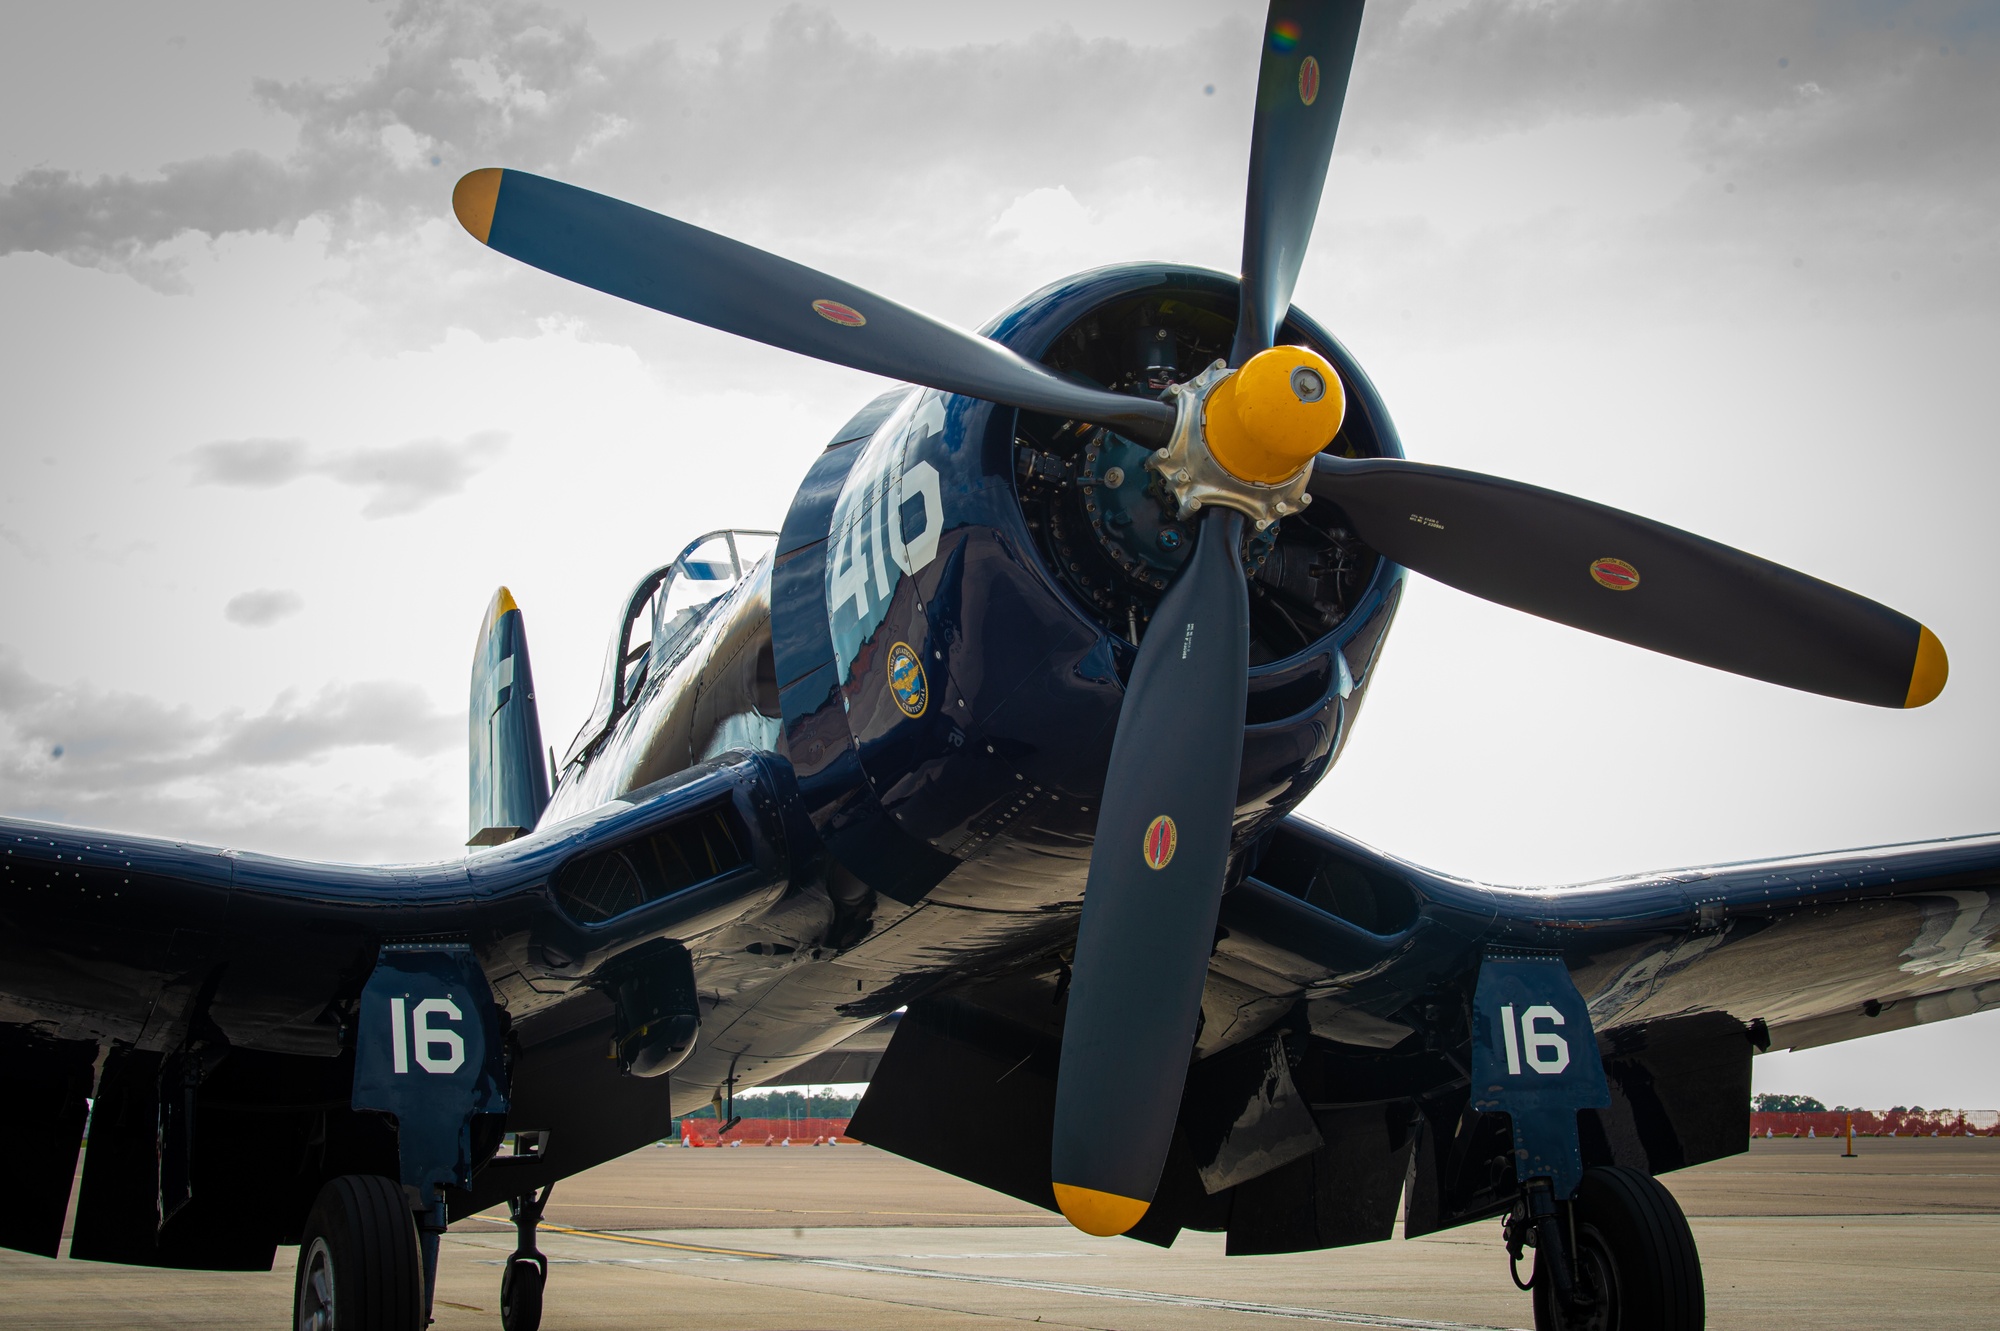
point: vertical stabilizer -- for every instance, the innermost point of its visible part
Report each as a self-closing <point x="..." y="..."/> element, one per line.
<point x="510" y="783"/>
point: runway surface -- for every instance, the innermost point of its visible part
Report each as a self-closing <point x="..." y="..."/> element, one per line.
<point x="768" y="1239"/>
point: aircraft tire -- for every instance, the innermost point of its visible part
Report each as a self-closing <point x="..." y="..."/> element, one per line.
<point x="1636" y="1259"/>
<point x="521" y="1294"/>
<point x="359" y="1265"/>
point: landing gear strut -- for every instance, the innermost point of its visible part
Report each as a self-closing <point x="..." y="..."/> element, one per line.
<point x="527" y="1269"/>
<point x="1618" y="1258"/>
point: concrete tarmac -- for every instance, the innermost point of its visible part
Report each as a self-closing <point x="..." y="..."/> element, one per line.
<point x="771" y="1239"/>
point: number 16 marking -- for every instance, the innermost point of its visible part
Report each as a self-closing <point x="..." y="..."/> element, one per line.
<point x="428" y="1037"/>
<point x="1548" y="1053"/>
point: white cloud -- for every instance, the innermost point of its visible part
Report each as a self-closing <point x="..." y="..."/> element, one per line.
<point x="1872" y="119"/>
<point x="254" y="464"/>
<point x="1042" y="219"/>
<point x="263" y="607"/>
<point x="79" y="754"/>
<point x="399" y="478"/>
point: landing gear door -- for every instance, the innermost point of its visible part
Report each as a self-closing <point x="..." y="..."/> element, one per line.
<point x="1534" y="1058"/>
<point x="428" y="1050"/>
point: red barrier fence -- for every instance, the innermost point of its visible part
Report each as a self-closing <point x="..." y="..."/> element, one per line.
<point x="766" y="1132"/>
<point x="1867" y="1123"/>
<point x="1880" y="1123"/>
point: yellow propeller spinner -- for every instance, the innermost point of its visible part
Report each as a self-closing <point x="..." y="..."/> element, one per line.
<point x="1267" y="420"/>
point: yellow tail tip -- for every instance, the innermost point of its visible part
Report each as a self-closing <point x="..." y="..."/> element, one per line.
<point x="1928" y="675"/>
<point x="501" y="604"/>
<point x="1268" y="419"/>
<point x="1101" y="1213"/>
<point x="474" y="198"/>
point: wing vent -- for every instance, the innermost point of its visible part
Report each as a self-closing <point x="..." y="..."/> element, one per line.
<point x="607" y="883"/>
<point x="1362" y="895"/>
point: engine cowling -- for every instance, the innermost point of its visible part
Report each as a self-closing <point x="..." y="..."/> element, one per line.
<point x="960" y="588"/>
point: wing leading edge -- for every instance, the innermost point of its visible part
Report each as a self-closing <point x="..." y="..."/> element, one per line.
<point x="1802" y="951"/>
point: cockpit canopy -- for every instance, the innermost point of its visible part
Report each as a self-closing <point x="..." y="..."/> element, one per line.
<point x="661" y="619"/>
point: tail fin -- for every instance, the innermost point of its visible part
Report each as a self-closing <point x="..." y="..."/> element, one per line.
<point x="510" y="784"/>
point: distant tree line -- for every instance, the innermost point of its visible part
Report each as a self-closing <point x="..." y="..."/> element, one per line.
<point x="1786" y="1104"/>
<point x="1806" y="1104"/>
<point x="786" y="1104"/>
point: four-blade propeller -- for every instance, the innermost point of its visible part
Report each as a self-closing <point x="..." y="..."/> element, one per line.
<point x="1163" y="835"/>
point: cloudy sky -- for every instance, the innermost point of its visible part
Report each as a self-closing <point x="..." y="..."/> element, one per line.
<point x="272" y="428"/>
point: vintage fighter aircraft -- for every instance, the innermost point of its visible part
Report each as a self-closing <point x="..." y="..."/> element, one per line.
<point x="1000" y="732"/>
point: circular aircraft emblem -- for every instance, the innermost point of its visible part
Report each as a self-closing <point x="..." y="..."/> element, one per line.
<point x="844" y="315"/>
<point x="1309" y="81"/>
<point x="1161" y="838"/>
<point x="906" y="681"/>
<point x="1616" y="574"/>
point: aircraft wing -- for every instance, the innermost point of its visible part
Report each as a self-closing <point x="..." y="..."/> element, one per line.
<point x="1800" y="951"/>
<point x="170" y="955"/>
<point x="1332" y="1083"/>
<point x="852" y="1060"/>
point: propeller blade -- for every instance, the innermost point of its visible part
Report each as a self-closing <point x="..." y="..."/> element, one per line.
<point x="1622" y="576"/>
<point x="667" y="265"/>
<point x="1308" y="53"/>
<point x="1150" y="904"/>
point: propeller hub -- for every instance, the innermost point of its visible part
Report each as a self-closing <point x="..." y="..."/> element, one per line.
<point x="1267" y="420"/>
<point x="1232" y="431"/>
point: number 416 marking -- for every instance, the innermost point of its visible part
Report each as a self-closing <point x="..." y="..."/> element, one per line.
<point x="1548" y="1053"/>
<point x="402" y="1027"/>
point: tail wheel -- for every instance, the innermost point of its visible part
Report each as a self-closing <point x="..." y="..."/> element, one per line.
<point x="1636" y="1267"/>
<point x="521" y="1293"/>
<point x="359" y="1267"/>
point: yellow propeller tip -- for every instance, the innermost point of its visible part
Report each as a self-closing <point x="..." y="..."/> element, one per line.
<point x="474" y="198"/>
<point x="1928" y="675"/>
<point x="1104" y="1214"/>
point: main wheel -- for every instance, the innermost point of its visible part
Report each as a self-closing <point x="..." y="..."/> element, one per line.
<point x="359" y="1268"/>
<point x="521" y="1293"/>
<point x="1636" y="1263"/>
